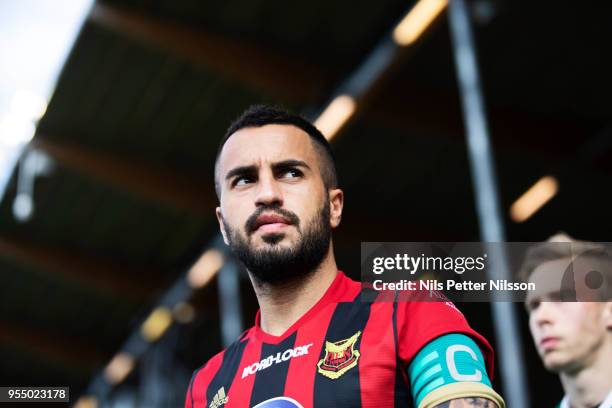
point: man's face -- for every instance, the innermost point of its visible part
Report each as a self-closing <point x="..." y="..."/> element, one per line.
<point x="567" y="335"/>
<point x="275" y="211"/>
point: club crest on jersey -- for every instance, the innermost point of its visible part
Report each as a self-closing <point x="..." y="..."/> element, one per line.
<point x="340" y="357"/>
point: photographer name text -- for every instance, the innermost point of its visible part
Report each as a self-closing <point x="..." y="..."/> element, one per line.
<point x="452" y="285"/>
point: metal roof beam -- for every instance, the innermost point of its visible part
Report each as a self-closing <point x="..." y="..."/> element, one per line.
<point x="510" y="130"/>
<point x="152" y="183"/>
<point x="55" y="349"/>
<point x="281" y="75"/>
<point x="85" y="271"/>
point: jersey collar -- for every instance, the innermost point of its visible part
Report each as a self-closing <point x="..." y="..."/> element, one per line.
<point x="342" y="289"/>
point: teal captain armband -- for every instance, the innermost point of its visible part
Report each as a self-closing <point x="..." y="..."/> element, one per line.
<point x="448" y="359"/>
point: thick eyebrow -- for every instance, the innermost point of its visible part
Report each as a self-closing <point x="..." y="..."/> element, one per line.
<point x="290" y="163"/>
<point x="555" y="295"/>
<point x="242" y="170"/>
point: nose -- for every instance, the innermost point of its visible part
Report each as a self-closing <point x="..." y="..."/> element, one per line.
<point x="544" y="314"/>
<point x="269" y="192"/>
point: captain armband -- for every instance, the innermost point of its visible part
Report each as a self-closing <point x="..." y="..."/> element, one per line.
<point x="450" y="367"/>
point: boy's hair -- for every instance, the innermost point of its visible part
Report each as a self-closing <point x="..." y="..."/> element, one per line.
<point x="554" y="249"/>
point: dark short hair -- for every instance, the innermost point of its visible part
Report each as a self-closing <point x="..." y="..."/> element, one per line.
<point x="261" y="115"/>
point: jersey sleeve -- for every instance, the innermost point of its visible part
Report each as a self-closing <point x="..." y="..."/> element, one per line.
<point x="418" y="323"/>
<point x="423" y="330"/>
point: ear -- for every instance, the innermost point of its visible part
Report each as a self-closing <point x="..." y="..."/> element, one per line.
<point x="219" y="215"/>
<point x="336" y="204"/>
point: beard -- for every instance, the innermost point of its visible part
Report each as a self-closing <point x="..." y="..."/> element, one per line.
<point x="275" y="264"/>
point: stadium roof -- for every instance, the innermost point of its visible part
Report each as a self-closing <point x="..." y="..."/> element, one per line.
<point x="150" y="87"/>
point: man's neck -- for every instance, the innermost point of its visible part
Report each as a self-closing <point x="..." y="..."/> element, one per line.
<point x="589" y="387"/>
<point x="282" y="305"/>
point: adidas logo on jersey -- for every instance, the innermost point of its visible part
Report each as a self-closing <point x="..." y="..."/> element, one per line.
<point x="219" y="399"/>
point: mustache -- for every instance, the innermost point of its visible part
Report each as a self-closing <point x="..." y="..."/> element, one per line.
<point x="290" y="216"/>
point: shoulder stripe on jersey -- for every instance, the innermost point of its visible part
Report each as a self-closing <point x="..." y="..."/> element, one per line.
<point x="226" y="373"/>
<point x="270" y="381"/>
<point x="348" y="319"/>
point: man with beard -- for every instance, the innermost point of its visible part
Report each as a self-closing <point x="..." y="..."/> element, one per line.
<point x="573" y="338"/>
<point x="314" y="342"/>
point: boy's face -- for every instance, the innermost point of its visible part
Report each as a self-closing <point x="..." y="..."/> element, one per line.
<point x="567" y="335"/>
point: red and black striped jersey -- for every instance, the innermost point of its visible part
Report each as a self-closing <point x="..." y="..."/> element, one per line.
<point x="343" y="352"/>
